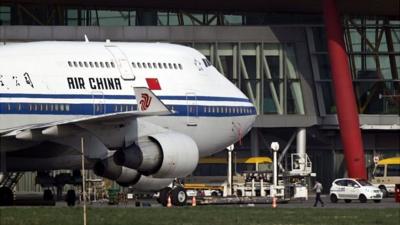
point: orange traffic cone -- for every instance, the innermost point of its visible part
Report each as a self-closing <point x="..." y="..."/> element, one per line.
<point x="193" y="201"/>
<point x="273" y="202"/>
<point x="169" y="204"/>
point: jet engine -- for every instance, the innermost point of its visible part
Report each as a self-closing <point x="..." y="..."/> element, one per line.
<point x="148" y="183"/>
<point x="162" y="155"/>
<point x="124" y="176"/>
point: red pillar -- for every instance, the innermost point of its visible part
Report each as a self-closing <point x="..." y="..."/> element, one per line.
<point x="344" y="94"/>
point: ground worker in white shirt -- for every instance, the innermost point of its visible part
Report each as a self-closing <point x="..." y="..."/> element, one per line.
<point x="318" y="189"/>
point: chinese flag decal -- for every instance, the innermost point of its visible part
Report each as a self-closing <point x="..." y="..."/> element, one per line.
<point x="153" y="84"/>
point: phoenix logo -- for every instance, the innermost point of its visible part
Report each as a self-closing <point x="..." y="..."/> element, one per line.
<point x="145" y="102"/>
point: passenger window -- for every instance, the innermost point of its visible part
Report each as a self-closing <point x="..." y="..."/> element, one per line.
<point x="155" y="65"/>
<point x="75" y="64"/>
<point x="62" y="107"/>
<point x="80" y="64"/>
<point x="96" y="64"/>
<point x="86" y="65"/>
<point x="107" y="65"/>
<point x="170" y="65"/>
<point x="112" y="64"/>
<point x="91" y="64"/>
<point x="160" y="65"/>
<point x="56" y="107"/>
<point x="149" y="65"/>
<point x="134" y="64"/>
<point x="139" y="65"/>
<point x="144" y="65"/>
<point x="165" y="66"/>
<point x="69" y="63"/>
<point x="101" y="64"/>
<point x="175" y="66"/>
<point x="67" y="107"/>
<point x="180" y="66"/>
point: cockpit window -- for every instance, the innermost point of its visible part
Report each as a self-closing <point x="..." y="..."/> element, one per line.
<point x="207" y="63"/>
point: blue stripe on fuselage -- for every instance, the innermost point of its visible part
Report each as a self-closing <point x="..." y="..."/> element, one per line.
<point x="20" y="108"/>
<point x="121" y="97"/>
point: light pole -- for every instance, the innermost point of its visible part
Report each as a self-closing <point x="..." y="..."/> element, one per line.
<point x="230" y="150"/>
<point x="275" y="148"/>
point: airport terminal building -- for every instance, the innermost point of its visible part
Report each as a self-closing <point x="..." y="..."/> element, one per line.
<point x="274" y="51"/>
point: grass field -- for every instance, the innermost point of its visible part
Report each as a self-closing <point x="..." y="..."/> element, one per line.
<point x="198" y="216"/>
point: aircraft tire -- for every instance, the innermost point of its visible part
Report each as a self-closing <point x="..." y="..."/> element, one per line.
<point x="163" y="198"/>
<point x="179" y="196"/>
<point x="48" y="195"/>
<point x="6" y="196"/>
<point x="70" y="198"/>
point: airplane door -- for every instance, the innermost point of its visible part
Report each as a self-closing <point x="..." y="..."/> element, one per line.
<point x="192" y="109"/>
<point x="122" y="62"/>
<point x="98" y="103"/>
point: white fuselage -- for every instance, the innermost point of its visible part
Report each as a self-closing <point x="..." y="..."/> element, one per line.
<point x="45" y="82"/>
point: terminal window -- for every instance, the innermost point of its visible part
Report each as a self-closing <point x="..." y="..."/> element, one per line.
<point x="5" y="15"/>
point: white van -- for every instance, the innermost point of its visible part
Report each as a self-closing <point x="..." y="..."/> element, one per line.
<point x="386" y="175"/>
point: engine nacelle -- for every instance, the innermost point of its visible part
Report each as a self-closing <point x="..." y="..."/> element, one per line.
<point x="150" y="184"/>
<point x="162" y="155"/>
<point x="124" y="176"/>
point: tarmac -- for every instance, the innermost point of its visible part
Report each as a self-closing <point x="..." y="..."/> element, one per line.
<point x="35" y="200"/>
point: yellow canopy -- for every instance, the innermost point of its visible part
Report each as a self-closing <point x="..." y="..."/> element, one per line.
<point x="248" y="160"/>
<point x="393" y="160"/>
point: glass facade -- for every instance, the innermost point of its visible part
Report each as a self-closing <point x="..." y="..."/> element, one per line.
<point x="373" y="46"/>
<point x="266" y="73"/>
<point x="5" y="15"/>
<point x="73" y="16"/>
<point x="81" y="17"/>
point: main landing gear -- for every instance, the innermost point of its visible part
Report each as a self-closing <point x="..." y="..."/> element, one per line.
<point x="177" y="194"/>
<point x="6" y="196"/>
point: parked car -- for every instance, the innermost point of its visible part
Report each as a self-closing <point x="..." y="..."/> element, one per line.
<point x="350" y="189"/>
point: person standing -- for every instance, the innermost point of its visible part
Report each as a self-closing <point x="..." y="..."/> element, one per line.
<point x="318" y="189"/>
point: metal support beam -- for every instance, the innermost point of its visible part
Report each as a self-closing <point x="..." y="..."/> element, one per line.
<point x="344" y="93"/>
<point x="255" y="146"/>
<point x="301" y="141"/>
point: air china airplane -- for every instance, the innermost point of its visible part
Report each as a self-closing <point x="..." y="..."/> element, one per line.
<point x="145" y="112"/>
